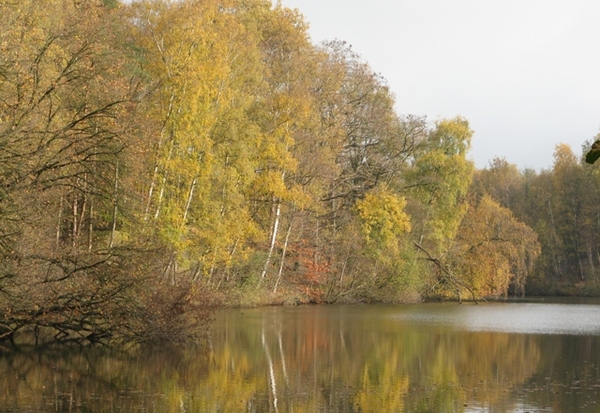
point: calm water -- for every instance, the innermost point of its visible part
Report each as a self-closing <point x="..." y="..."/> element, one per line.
<point x="492" y="357"/>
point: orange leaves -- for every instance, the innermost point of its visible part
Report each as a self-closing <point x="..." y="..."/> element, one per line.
<point x="310" y="271"/>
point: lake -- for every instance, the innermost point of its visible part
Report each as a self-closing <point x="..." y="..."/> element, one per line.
<point x="438" y="357"/>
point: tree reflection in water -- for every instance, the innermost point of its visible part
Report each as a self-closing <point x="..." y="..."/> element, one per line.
<point x="328" y="359"/>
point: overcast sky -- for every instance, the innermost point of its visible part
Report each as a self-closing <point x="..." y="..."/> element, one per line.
<point x="524" y="73"/>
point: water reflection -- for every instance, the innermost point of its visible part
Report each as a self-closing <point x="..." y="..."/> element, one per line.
<point x="357" y="361"/>
<point x="331" y="359"/>
<point x="525" y="318"/>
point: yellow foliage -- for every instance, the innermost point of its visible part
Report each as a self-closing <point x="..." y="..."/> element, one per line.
<point x="383" y="218"/>
<point x="441" y="177"/>
<point x="494" y="249"/>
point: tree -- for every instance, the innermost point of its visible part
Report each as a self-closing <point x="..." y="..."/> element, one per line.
<point x="493" y="251"/>
<point x="501" y="180"/>
<point x="369" y="147"/>
<point x="384" y="225"/>
<point x="203" y="66"/>
<point x="67" y="97"/>
<point x="283" y="113"/>
<point x="438" y="183"/>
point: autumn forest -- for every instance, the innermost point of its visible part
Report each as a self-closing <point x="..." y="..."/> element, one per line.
<point x="160" y="158"/>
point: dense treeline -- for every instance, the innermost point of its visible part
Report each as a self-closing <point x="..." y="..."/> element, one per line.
<point x="562" y="205"/>
<point x="158" y="157"/>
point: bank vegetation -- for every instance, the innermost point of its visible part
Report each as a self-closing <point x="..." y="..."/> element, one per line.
<point x="160" y="158"/>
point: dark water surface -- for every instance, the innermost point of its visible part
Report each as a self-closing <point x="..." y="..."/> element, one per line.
<point x="492" y="357"/>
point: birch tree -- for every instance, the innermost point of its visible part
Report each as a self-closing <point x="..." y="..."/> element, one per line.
<point x="439" y="180"/>
<point x="202" y="61"/>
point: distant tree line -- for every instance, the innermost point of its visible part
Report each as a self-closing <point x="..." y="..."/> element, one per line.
<point x="562" y="205"/>
<point x="159" y="157"/>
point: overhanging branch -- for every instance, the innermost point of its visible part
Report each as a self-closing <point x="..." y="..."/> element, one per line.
<point x="446" y="271"/>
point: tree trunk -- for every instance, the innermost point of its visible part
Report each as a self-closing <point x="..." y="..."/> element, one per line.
<point x="59" y="222"/>
<point x="274" y="231"/>
<point x="285" y="244"/>
<point x="75" y="221"/>
<point x="555" y="258"/>
<point x="189" y="200"/>
<point x="162" y="187"/>
<point x="83" y="207"/>
<point x="115" y="209"/>
<point x="160" y="197"/>
<point x="151" y="191"/>
<point x="90" y="226"/>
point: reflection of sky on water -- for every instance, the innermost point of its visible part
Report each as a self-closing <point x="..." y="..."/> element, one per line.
<point x="519" y="408"/>
<point x="578" y="319"/>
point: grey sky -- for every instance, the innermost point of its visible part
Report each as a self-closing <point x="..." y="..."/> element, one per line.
<point x="525" y="73"/>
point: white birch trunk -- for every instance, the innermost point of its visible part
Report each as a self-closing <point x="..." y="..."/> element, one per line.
<point x="274" y="231"/>
<point x="162" y="187"/>
<point x="160" y="197"/>
<point x="285" y="244"/>
<point x="189" y="200"/>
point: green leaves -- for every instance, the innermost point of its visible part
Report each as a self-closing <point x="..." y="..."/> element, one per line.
<point x="439" y="181"/>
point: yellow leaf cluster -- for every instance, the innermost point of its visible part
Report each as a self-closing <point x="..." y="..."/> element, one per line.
<point x="495" y="248"/>
<point x="383" y="219"/>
